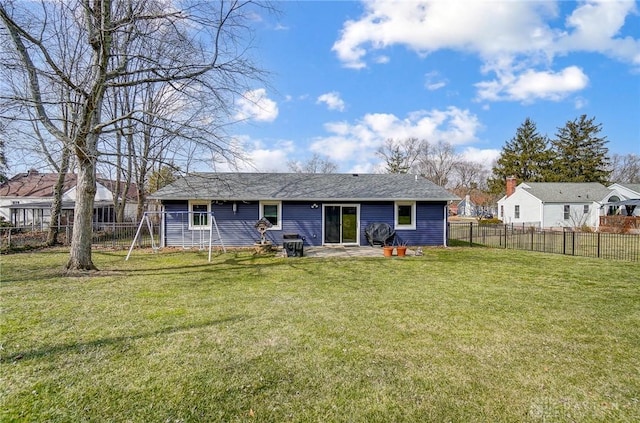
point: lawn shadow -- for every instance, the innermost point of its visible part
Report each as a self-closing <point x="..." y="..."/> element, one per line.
<point x="72" y="348"/>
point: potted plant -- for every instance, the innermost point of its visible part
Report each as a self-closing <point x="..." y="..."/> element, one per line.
<point x="387" y="250"/>
<point x="402" y="249"/>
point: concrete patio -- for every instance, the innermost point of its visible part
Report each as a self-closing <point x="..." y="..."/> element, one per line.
<point x="344" y="251"/>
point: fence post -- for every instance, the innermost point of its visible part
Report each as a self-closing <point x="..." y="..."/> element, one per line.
<point x="470" y="234"/>
<point x="505" y="236"/>
<point x="573" y="243"/>
<point x="532" y="238"/>
<point x="598" y="244"/>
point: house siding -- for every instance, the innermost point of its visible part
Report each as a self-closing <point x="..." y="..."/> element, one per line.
<point x="529" y="209"/>
<point x="554" y="215"/>
<point x="238" y="229"/>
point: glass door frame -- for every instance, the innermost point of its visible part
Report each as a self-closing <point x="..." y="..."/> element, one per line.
<point x="341" y="205"/>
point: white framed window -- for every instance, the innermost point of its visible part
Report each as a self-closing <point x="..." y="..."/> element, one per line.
<point x="200" y="214"/>
<point x="516" y="211"/>
<point x="585" y="209"/>
<point x="566" y="211"/>
<point x="405" y="215"/>
<point x="272" y="211"/>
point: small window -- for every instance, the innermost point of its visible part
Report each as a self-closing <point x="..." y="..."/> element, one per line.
<point x="516" y="212"/>
<point x="567" y="211"/>
<point x="272" y="211"/>
<point x="502" y="211"/>
<point x="199" y="214"/>
<point x="586" y="209"/>
<point x="405" y="215"/>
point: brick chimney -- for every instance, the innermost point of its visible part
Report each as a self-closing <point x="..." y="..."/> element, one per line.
<point x="511" y="185"/>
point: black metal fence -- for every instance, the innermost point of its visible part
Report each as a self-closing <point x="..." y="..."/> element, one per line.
<point x="569" y="242"/>
<point x="105" y="235"/>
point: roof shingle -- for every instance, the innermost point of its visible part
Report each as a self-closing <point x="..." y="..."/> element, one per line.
<point x="303" y="187"/>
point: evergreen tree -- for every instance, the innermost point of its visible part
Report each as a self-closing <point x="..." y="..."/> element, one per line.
<point x="162" y="177"/>
<point x="526" y="156"/>
<point x="580" y="154"/>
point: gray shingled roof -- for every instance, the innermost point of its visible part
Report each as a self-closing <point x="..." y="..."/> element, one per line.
<point x="632" y="187"/>
<point x="568" y="192"/>
<point x="301" y="186"/>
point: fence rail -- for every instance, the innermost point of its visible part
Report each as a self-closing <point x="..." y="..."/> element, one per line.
<point x="587" y="244"/>
<point x="105" y="235"/>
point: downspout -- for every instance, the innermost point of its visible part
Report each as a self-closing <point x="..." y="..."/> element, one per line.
<point x="446" y="218"/>
<point x="162" y="227"/>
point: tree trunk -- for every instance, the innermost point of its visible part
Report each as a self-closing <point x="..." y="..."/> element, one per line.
<point x="56" y="206"/>
<point x="80" y="256"/>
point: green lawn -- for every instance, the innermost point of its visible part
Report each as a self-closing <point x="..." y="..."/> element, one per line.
<point x="459" y="334"/>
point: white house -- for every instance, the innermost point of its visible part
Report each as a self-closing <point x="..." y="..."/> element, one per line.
<point x="25" y="199"/>
<point x="554" y="204"/>
<point x="628" y="192"/>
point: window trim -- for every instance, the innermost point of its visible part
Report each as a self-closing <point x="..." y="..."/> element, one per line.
<point x="396" y="224"/>
<point x="192" y="203"/>
<point x="566" y="212"/>
<point x="516" y="211"/>
<point x="278" y="226"/>
<point x="586" y="209"/>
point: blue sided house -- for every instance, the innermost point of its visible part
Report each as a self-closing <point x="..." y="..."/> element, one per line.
<point x="322" y="209"/>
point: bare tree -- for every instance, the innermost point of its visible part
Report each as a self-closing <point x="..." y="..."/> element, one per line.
<point x="211" y="58"/>
<point x="439" y="164"/>
<point x="401" y="156"/>
<point x="469" y="175"/>
<point x="625" y="168"/>
<point x="3" y="158"/>
<point x="315" y="164"/>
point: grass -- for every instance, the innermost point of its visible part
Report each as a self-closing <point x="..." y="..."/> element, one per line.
<point x="465" y="335"/>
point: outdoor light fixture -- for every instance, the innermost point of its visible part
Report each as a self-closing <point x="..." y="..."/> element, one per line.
<point x="314" y="206"/>
<point x="234" y="207"/>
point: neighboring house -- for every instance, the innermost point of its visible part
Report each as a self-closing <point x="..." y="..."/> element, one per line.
<point x="466" y="207"/>
<point x="554" y="204"/>
<point x="627" y="192"/>
<point x="323" y="209"/>
<point x="25" y="199"/>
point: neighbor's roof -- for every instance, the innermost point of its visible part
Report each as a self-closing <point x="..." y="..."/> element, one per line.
<point x="303" y="187"/>
<point x="41" y="185"/>
<point x="631" y="202"/>
<point x="567" y="192"/>
<point x="632" y="187"/>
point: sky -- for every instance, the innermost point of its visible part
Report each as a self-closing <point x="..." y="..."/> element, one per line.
<point x="347" y="75"/>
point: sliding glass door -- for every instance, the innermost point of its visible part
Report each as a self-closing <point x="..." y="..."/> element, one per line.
<point x="341" y="223"/>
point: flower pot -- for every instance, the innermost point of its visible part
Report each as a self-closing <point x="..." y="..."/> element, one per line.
<point x="402" y="251"/>
<point x="388" y="251"/>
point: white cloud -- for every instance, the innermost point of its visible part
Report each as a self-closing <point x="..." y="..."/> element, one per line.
<point x="517" y="40"/>
<point x="580" y="103"/>
<point x="358" y="141"/>
<point x="255" y="105"/>
<point x="484" y="157"/>
<point x="594" y="26"/>
<point x="476" y="26"/>
<point x="531" y="85"/>
<point x="434" y="81"/>
<point x="258" y="156"/>
<point x="332" y="100"/>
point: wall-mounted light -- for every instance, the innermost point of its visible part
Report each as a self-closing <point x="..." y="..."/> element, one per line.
<point x="314" y="206"/>
<point x="234" y="207"/>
